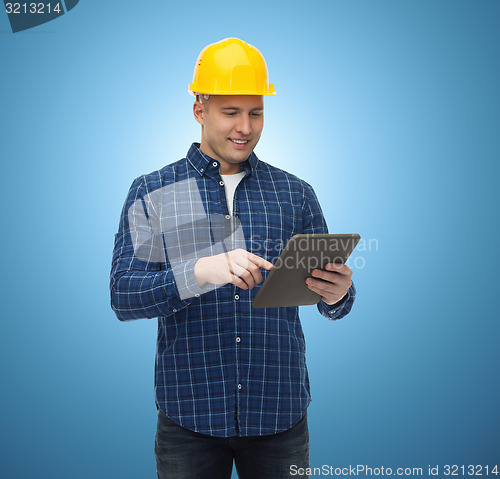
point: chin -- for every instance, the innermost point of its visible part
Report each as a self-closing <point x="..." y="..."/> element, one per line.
<point x="238" y="158"/>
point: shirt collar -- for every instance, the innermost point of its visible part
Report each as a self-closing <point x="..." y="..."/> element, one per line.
<point x="202" y="163"/>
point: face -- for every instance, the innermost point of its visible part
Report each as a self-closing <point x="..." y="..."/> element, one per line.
<point x="231" y="128"/>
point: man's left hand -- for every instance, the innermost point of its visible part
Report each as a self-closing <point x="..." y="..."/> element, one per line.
<point x="331" y="284"/>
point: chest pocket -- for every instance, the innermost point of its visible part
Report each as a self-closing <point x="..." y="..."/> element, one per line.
<point x="269" y="228"/>
<point x="282" y="221"/>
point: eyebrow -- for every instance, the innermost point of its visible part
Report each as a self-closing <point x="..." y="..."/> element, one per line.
<point x="235" y="108"/>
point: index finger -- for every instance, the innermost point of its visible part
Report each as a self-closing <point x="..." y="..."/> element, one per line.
<point x="259" y="261"/>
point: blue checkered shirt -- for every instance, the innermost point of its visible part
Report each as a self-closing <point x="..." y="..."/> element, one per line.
<point x="222" y="367"/>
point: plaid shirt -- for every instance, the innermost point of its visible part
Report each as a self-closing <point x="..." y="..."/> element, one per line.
<point x="222" y="367"/>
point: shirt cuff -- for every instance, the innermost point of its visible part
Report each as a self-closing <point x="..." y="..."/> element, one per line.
<point x="338" y="310"/>
<point x="186" y="281"/>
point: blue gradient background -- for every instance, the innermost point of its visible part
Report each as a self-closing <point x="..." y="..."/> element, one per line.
<point x="389" y="108"/>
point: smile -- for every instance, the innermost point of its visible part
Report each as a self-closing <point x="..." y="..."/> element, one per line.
<point x="239" y="142"/>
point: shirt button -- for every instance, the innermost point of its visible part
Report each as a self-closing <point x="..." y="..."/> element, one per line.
<point x="174" y="310"/>
<point x="239" y="386"/>
<point x="221" y="183"/>
<point x="236" y="297"/>
<point x="202" y="170"/>
<point x="228" y="217"/>
<point x="197" y="295"/>
<point x="215" y="164"/>
<point x="238" y="339"/>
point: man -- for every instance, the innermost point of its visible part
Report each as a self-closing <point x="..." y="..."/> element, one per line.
<point x="195" y="240"/>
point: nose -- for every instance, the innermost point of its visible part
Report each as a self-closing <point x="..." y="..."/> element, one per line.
<point x="244" y="125"/>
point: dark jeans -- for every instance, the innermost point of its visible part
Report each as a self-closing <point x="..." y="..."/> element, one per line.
<point x="184" y="454"/>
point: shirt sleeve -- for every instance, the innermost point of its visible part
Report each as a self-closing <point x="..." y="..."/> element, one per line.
<point x="338" y="311"/>
<point x="313" y="222"/>
<point x="142" y="281"/>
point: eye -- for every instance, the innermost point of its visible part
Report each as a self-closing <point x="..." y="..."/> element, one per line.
<point x="229" y="113"/>
<point x="257" y="114"/>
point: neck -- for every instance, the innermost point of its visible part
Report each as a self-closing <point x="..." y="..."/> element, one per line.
<point x="230" y="169"/>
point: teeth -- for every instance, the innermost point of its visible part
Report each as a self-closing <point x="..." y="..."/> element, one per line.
<point x="240" y="142"/>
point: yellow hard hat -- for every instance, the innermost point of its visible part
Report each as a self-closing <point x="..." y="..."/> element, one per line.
<point x="231" y="67"/>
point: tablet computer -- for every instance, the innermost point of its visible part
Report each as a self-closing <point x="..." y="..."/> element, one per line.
<point x="286" y="285"/>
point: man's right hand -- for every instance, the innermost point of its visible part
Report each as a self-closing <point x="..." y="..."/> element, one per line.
<point x="238" y="267"/>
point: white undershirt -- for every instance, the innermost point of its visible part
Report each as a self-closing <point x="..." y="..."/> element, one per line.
<point x="230" y="184"/>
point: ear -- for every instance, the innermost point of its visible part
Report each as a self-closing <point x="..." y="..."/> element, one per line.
<point x="199" y="112"/>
